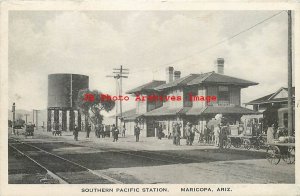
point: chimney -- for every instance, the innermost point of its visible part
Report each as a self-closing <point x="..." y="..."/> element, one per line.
<point x="220" y="65"/>
<point x="177" y="75"/>
<point x="169" y="74"/>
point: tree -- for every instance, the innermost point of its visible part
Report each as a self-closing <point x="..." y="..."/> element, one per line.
<point x="90" y="102"/>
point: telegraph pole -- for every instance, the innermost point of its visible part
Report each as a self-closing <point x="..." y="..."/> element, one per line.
<point x="119" y="74"/>
<point x="123" y="74"/>
<point x="290" y="58"/>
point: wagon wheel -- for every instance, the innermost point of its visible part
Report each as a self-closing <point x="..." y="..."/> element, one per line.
<point x="247" y="144"/>
<point x="257" y="146"/>
<point x="273" y="155"/>
<point x="261" y="143"/>
<point x="238" y="143"/>
<point x="228" y="143"/>
<point x="289" y="158"/>
<point x="292" y="154"/>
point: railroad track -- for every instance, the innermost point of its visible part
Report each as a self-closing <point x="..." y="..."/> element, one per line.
<point x="59" y="168"/>
<point x="162" y="158"/>
<point x="158" y="156"/>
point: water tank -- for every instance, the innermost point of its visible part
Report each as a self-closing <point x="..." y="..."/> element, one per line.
<point x="63" y="89"/>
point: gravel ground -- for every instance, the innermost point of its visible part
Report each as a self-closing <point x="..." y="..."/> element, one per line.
<point x="158" y="161"/>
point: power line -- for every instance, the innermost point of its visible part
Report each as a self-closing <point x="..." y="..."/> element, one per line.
<point x="214" y="45"/>
<point x="119" y="74"/>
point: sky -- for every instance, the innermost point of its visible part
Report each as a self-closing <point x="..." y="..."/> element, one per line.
<point x="145" y="42"/>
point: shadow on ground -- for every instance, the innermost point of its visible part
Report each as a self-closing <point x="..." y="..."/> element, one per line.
<point x="119" y="158"/>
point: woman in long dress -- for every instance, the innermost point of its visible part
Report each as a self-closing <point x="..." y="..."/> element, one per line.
<point x="270" y="134"/>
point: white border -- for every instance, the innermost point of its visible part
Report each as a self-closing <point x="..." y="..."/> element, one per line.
<point x="238" y="189"/>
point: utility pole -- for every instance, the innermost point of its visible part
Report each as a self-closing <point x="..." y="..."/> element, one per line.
<point x="26" y="118"/>
<point x="122" y="73"/>
<point x="119" y="74"/>
<point x="290" y="58"/>
<point x="14" y="117"/>
<point x="116" y="77"/>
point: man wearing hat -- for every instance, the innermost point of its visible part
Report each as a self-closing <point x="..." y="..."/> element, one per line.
<point x="188" y="133"/>
<point x="75" y="133"/>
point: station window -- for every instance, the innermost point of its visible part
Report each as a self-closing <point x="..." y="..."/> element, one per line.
<point x="186" y="96"/>
<point x="223" y="95"/>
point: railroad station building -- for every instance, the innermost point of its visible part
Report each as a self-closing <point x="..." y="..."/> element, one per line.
<point x="274" y="107"/>
<point x="150" y="114"/>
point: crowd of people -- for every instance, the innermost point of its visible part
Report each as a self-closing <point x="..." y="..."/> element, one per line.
<point x="216" y="134"/>
<point x="101" y="131"/>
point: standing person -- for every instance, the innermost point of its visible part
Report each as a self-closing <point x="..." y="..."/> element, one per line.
<point x="221" y="136"/>
<point x="56" y="128"/>
<point x="159" y="134"/>
<point x="102" y="132"/>
<point x="217" y="134"/>
<point x="211" y="135"/>
<point x="188" y="133"/>
<point x="270" y="134"/>
<point x="194" y="130"/>
<point x="53" y="129"/>
<point x="174" y="133"/>
<point x="59" y="129"/>
<point x="137" y="132"/>
<point x="123" y="131"/>
<point x="88" y="131"/>
<point x="98" y="130"/>
<point x="206" y="134"/>
<point x="113" y="129"/>
<point x="115" y="133"/>
<point x="75" y="133"/>
<point x="226" y="132"/>
<point x="178" y="134"/>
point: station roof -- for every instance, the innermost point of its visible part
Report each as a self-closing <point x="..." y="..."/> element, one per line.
<point x="206" y="78"/>
<point x="169" y="111"/>
<point x="129" y="115"/>
<point x="228" y="110"/>
<point x="148" y="87"/>
<point x="272" y="98"/>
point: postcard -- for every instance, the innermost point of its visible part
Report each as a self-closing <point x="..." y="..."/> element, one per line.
<point x="149" y="98"/>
